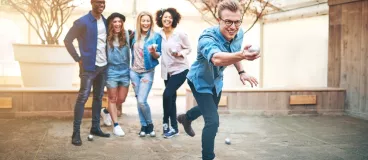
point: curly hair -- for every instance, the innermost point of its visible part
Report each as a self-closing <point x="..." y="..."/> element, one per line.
<point x="174" y="14"/>
<point x="121" y="35"/>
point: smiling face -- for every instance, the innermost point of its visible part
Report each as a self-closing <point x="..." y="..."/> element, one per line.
<point x="167" y="20"/>
<point x="117" y="24"/>
<point x="229" y="23"/>
<point x="98" y="6"/>
<point x="145" y="23"/>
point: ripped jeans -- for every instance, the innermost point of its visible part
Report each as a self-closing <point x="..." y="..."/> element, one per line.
<point x="142" y="84"/>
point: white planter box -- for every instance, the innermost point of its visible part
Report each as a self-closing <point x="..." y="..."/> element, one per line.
<point x="44" y="65"/>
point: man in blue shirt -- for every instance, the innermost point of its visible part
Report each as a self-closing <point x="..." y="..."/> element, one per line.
<point x="90" y="31"/>
<point x="218" y="47"/>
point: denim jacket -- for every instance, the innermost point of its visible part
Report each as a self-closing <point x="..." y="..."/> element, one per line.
<point x="203" y="74"/>
<point x="149" y="61"/>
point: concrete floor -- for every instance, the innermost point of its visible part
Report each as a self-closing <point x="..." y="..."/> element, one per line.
<point x="252" y="137"/>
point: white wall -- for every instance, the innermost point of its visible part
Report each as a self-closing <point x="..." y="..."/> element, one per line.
<point x="295" y="53"/>
<point x="12" y="30"/>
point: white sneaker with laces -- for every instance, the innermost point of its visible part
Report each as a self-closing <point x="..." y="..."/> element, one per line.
<point x="118" y="131"/>
<point x="106" y="118"/>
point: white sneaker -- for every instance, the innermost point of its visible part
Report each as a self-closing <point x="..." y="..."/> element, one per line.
<point x="142" y="134"/>
<point x="152" y="134"/>
<point x="106" y="118"/>
<point x="118" y="131"/>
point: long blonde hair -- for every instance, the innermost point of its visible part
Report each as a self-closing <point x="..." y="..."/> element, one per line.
<point x="138" y="31"/>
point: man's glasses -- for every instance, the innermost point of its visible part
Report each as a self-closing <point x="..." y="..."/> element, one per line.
<point x="99" y="2"/>
<point x="228" y="23"/>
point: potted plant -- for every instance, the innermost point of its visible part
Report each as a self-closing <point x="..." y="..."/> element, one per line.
<point x="47" y="64"/>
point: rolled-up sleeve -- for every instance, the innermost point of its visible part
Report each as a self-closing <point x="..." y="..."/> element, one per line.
<point x="158" y="42"/>
<point x="208" y="47"/>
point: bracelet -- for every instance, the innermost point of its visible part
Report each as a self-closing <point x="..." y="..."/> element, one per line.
<point x="241" y="72"/>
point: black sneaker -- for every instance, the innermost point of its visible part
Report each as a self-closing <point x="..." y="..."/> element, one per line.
<point x="150" y="131"/>
<point x="142" y="133"/>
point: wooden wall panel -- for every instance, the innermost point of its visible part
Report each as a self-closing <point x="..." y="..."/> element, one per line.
<point x="302" y="99"/>
<point x="6" y="102"/>
<point x="339" y="2"/>
<point x="364" y="59"/>
<point x="278" y="100"/>
<point x="352" y="36"/>
<point x="257" y="100"/>
<point x="270" y="102"/>
<point x="334" y="49"/>
<point x="16" y="101"/>
<point x="351" y="51"/>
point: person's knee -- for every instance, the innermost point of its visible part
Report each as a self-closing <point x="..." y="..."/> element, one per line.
<point x="112" y="99"/>
<point x="82" y="97"/>
<point x="213" y="121"/>
<point x="98" y="97"/>
<point x="141" y="103"/>
<point x="167" y="94"/>
<point x="120" y="100"/>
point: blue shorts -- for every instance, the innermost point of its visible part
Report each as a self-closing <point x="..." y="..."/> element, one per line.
<point x="115" y="83"/>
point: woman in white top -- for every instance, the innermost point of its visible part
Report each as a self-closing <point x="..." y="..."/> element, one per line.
<point x="175" y="47"/>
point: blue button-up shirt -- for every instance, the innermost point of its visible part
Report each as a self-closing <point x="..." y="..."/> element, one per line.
<point x="84" y="30"/>
<point x="203" y="73"/>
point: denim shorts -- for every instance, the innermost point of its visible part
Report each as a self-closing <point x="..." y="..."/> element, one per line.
<point x="115" y="83"/>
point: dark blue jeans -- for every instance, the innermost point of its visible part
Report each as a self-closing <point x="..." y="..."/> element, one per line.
<point x="88" y="79"/>
<point x="172" y="84"/>
<point x="207" y="107"/>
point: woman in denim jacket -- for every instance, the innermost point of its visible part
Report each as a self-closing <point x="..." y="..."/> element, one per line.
<point x="118" y="77"/>
<point x="146" y="48"/>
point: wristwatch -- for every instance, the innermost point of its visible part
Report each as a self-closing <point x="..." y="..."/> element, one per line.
<point x="241" y="72"/>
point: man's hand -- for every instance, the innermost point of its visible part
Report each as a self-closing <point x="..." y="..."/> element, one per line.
<point x="80" y="66"/>
<point x="245" y="77"/>
<point x="250" y="56"/>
